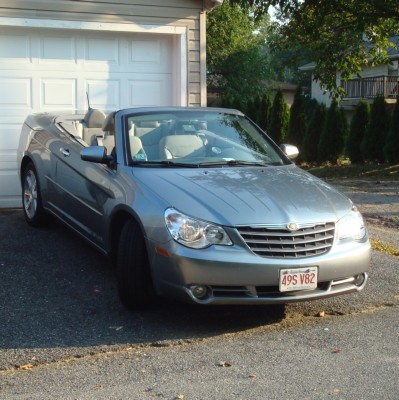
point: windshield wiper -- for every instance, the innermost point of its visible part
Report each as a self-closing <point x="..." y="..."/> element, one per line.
<point x="164" y="163"/>
<point x="233" y="163"/>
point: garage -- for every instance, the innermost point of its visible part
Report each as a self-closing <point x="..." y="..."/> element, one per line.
<point x="43" y="70"/>
<point x="56" y="53"/>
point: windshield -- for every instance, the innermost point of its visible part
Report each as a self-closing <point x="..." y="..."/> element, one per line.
<point x="185" y="138"/>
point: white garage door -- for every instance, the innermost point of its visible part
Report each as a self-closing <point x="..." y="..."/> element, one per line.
<point x="46" y="70"/>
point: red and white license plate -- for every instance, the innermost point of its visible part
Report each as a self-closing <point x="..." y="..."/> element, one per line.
<point x="298" y="279"/>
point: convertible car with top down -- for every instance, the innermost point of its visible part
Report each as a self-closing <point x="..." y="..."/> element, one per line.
<point x="198" y="204"/>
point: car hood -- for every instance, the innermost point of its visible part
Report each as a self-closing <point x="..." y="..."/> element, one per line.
<point x="246" y="195"/>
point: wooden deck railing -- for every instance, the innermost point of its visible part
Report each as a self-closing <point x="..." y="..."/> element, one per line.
<point x="368" y="88"/>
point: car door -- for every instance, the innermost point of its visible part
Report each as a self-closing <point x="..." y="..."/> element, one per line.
<point x="83" y="191"/>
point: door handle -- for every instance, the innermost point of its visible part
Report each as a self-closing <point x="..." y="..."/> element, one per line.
<point x="65" y="152"/>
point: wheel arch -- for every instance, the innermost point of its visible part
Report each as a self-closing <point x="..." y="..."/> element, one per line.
<point x="24" y="162"/>
<point x="118" y="220"/>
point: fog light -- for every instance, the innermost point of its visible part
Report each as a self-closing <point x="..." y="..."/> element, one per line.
<point x="200" y="291"/>
<point x="360" y="279"/>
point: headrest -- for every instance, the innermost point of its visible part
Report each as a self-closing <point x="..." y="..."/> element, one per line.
<point x="109" y="123"/>
<point x="149" y="124"/>
<point x="94" y="118"/>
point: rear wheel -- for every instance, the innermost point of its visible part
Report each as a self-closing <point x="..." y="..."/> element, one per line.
<point x="32" y="199"/>
<point x="133" y="273"/>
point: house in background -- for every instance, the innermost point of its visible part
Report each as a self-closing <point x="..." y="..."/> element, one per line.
<point x="375" y="81"/>
<point x="289" y="89"/>
<point x="122" y="54"/>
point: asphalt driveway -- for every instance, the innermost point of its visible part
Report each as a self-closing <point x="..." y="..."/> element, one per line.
<point x="59" y="299"/>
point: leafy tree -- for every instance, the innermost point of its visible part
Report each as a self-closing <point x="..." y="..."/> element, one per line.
<point x="334" y="31"/>
<point x="391" y="149"/>
<point x="236" y="64"/>
<point x="311" y="141"/>
<point x="279" y="118"/>
<point x="357" y="131"/>
<point x="297" y="125"/>
<point x="372" y="146"/>
<point x="333" y="136"/>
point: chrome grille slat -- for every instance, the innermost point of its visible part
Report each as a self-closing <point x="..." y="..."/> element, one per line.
<point x="289" y="242"/>
<point x="282" y="243"/>
<point x="262" y="231"/>
<point x="291" y="250"/>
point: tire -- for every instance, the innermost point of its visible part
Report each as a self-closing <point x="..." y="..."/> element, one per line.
<point x="132" y="269"/>
<point x="32" y="198"/>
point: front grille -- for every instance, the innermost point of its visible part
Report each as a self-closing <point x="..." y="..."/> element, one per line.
<point x="282" y="243"/>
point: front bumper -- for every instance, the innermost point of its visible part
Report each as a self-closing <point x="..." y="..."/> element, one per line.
<point x="235" y="275"/>
<point x="270" y="295"/>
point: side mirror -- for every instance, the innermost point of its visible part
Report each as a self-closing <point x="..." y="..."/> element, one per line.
<point x="290" y="151"/>
<point x="96" y="154"/>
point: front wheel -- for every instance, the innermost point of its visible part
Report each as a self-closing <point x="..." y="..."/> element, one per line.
<point x="133" y="273"/>
<point x="32" y="199"/>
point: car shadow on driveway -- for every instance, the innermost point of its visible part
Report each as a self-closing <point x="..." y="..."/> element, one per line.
<point x="59" y="296"/>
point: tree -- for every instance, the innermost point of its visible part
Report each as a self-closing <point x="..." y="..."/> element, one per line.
<point x="358" y="127"/>
<point x="297" y="125"/>
<point x="391" y="148"/>
<point x="334" y="31"/>
<point x="372" y="146"/>
<point x="236" y="64"/>
<point x="279" y="118"/>
<point x="265" y="111"/>
<point x="311" y="141"/>
<point x="333" y="136"/>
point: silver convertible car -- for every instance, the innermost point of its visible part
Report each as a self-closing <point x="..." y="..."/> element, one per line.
<point x="193" y="203"/>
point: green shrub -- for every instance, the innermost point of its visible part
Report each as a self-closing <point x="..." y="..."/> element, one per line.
<point x="391" y="148"/>
<point x="309" y="151"/>
<point x="265" y="111"/>
<point x="372" y="146"/>
<point x="297" y="124"/>
<point x="279" y="118"/>
<point x="358" y="127"/>
<point x="333" y="136"/>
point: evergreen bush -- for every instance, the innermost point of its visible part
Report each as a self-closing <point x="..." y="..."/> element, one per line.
<point x="333" y="136"/>
<point x="279" y="118"/>
<point x="309" y="151"/>
<point x="265" y="111"/>
<point x="358" y="127"/>
<point x="297" y="123"/>
<point x="391" y="148"/>
<point x="372" y="146"/>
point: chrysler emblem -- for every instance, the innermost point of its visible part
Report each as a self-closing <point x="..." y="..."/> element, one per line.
<point x="292" y="226"/>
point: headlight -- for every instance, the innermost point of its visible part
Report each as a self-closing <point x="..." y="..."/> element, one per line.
<point x="194" y="233"/>
<point x="351" y="226"/>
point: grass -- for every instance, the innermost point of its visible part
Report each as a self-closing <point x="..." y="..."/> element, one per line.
<point x="344" y="169"/>
<point x="385" y="248"/>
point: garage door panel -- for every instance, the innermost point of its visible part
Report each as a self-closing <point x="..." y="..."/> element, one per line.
<point x="15" y="49"/>
<point x="9" y="138"/>
<point x="150" y="55"/>
<point x="12" y="196"/>
<point x="15" y="93"/>
<point x="56" y="48"/>
<point x="148" y="91"/>
<point x="104" y="94"/>
<point x="58" y="94"/>
<point x="102" y="50"/>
